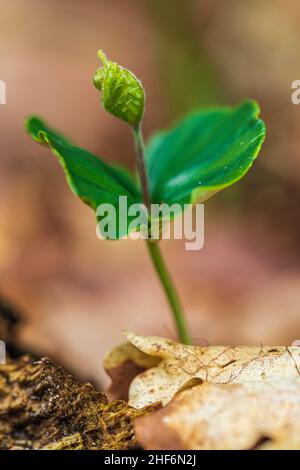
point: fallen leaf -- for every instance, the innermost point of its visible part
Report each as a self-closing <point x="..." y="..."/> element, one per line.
<point x="122" y="364"/>
<point x="181" y="367"/>
<point x="217" y="397"/>
<point x="226" y="417"/>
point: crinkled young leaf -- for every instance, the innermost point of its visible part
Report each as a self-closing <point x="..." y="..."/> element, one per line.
<point x="122" y="92"/>
<point x="90" y="178"/>
<point x="206" y="152"/>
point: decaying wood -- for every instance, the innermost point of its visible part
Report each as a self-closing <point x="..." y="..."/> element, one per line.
<point x="43" y="407"/>
<point x="217" y="397"/>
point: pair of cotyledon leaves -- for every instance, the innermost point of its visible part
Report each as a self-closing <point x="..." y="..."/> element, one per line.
<point x="204" y="153"/>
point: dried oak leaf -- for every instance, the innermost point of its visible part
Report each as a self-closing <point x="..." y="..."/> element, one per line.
<point x="44" y="407"/>
<point x="122" y="364"/>
<point x="181" y="367"/>
<point x="217" y="397"/>
<point x="226" y="417"/>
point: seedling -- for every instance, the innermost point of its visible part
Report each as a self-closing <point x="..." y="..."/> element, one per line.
<point x="207" y="151"/>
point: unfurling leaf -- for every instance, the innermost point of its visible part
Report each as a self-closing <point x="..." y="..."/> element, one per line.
<point x="206" y="152"/>
<point x="122" y="93"/>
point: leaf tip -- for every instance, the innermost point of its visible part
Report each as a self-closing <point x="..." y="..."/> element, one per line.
<point x="102" y="56"/>
<point x="129" y="335"/>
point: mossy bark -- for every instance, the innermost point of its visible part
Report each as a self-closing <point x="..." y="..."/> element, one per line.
<point x="43" y="407"/>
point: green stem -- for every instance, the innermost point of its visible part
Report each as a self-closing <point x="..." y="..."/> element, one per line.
<point x="153" y="248"/>
<point x="170" y="291"/>
<point x="140" y="161"/>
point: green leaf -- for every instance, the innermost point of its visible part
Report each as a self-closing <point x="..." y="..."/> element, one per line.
<point x="122" y="93"/>
<point x="90" y="178"/>
<point x="206" y="152"/>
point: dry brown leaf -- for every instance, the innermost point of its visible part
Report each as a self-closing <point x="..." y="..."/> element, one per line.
<point x="181" y="367"/>
<point x="122" y="364"/>
<point x="226" y="417"/>
<point x="215" y="397"/>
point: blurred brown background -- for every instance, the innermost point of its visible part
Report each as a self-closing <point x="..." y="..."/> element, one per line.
<point x="77" y="293"/>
